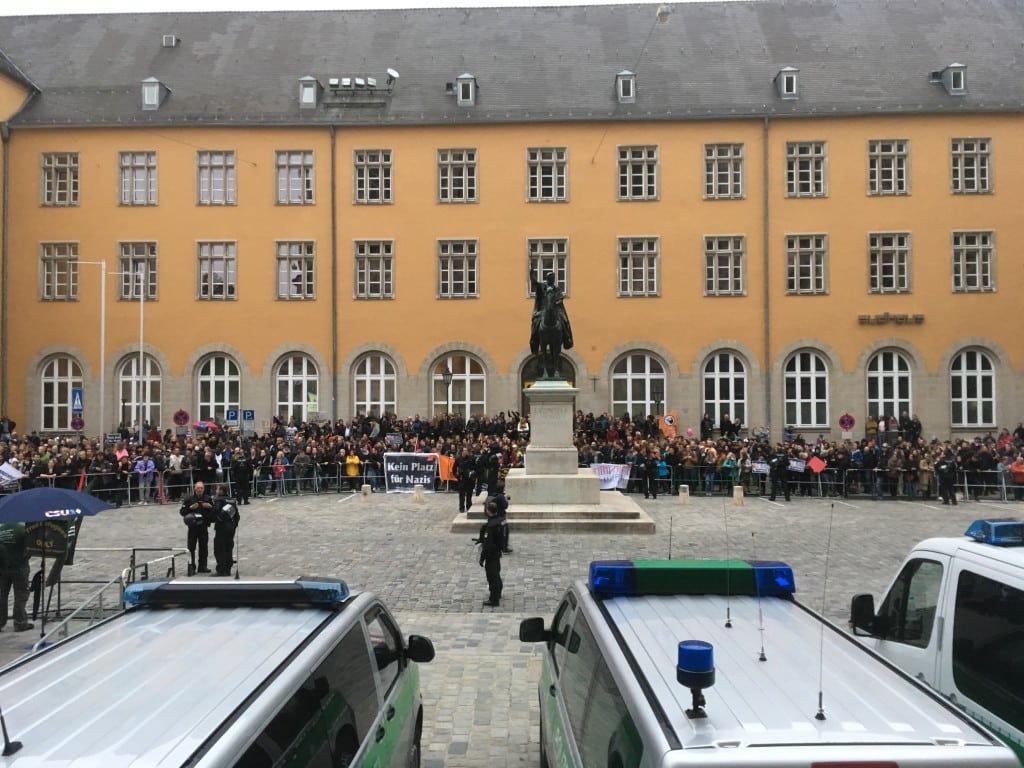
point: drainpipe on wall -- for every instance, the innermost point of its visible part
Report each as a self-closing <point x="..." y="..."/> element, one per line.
<point x="5" y="137"/>
<point x="766" y="298"/>
<point x="334" y="282"/>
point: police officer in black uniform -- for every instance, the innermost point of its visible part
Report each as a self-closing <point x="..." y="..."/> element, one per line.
<point x="649" y="479"/>
<point x="225" y="521"/>
<point x="241" y="475"/>
<point x="945" y="471"/>
<point x="490" y="541"/>
<point x="465" y="479"/>
<point x="778" y="471"/>
<point x="197" y="512"/>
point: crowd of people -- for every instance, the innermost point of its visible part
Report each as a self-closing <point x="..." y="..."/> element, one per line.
<point x="893" y="458"/>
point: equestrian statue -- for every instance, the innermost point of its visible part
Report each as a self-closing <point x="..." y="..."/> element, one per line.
<point x="550" y="331"/>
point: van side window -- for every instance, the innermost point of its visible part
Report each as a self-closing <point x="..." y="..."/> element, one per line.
<point x="386" y="643"/>
<point x="560" y="628"/>
<point x="604" y="731"/>
<point x="988" y="645"/>
<point x="330" y="714"/>
<point x="907" y="614"/>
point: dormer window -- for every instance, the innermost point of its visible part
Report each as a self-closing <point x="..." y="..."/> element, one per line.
<point x="625" y="87"/>
<point x="786" y="83"/>
<point x="153" y="93"/>
<point x="954" y="79"/>
<point x="465" y="90"/>
<point x="309" y="88"/>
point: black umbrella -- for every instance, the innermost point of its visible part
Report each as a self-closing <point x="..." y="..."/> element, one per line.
<point x="48" y="504"/>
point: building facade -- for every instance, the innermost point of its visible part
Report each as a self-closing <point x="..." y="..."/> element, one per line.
<point x="787" y="212"/>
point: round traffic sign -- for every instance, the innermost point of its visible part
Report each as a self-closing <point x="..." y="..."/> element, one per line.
<point x="78" y="423"/>
<point x="847" y="422"/>
<point x="181" y="417"/>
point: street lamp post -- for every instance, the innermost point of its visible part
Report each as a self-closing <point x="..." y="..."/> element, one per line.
<point x="103" y="341"/>
<point x="141" y="274"/>
<point x="657" y="392"/>
<point x="447" y="378"/>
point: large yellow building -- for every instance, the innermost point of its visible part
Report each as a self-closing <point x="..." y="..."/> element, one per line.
<point x="784" y="211"/>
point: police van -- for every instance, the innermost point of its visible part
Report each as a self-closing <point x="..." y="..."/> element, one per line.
<point x="954" y="618"/>
<point x="221" y="673"/>
<point x="714" y="663"/>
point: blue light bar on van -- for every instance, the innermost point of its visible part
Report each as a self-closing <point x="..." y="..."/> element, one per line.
<point x="304" y="592"/>
<point x="610" y="578"/>
<point x="1001" y="531"/>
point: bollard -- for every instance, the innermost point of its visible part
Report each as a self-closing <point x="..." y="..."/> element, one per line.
<point x="417" y="494"/>
<point x="684" y="494"/>
<point x="366" y="491"/>
<point x="737" y="495"/>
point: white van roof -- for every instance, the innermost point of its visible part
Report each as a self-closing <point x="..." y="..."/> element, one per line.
<point x="149" y="687"/>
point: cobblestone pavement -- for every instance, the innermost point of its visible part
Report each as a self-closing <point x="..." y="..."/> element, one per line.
<point x="480" y="692"/>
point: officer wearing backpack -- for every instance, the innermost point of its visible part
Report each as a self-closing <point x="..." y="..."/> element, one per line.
<point x="225" y="521"/>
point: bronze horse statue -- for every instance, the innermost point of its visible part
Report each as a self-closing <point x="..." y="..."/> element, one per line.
<point x="550" y="330"/>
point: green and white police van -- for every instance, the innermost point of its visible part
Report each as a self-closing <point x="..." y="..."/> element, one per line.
<point x="954" y="618"/>
<point x="222" y="673"/>
<point x="714" y="663"/>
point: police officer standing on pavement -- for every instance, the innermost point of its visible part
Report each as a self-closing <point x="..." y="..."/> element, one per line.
<point x="14" y="573"/>
<point x="501" y="500"/>
<point x="241" y="475"/>
<point x="197" y="512"/>
<point x="225" y="521"/>
<point x="465" y="474"/>
<point x="649" y="478"/>
<point x="779" y="472"/>
<point x="490" y="541"/>
<point x="945" y="470"/>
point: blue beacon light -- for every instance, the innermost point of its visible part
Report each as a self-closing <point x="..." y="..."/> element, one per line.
<point x="1000" y="531"/>
<point x="695" y="669"/>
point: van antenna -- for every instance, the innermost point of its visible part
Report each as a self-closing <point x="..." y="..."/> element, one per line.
<point x="821" y="627"/>
<point x="670" y="537"/>
<point x="728" y="569"/>
<point x="760" y="613"/>
<point x="10" y="747"/>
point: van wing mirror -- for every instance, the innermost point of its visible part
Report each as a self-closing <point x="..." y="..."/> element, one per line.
<point x="419" y="649"/>
<point x="862" y="614"/>
<point x="532" y="631"/>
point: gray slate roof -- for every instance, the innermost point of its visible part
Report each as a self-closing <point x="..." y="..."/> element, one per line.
<point x="709" y="60"/>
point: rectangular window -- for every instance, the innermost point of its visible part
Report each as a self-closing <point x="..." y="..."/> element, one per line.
<point x="888" y="161"/>
<point x="723" y="171"/>
<point x="296" y="275"/>
<point x="973" y="262"/>
<point x="805" y="263"/>
<point x="638" y="173"/>
<point x="889" y="262"/>
<point x="216" y="178"/>
<point x="372" y="175"/>
<point x="295" y="177"/>
<point x="60" y="271"/>
<point x="638" y="266"/>
<point x="805" y="169"/>
<point x="138" y="271"/>
<point x="216" y="270"/>
<point x="374" y="265"/>
<point x="457" y="269"/>
<point x="970" y="173"/>
<point x="549" y="255"/>
<point x="547" y="171"/>
<point x="138" y="178"/>
<point x="60" y="178"/>
<point x="723" y="265"/>
<point x="456" y="175"/>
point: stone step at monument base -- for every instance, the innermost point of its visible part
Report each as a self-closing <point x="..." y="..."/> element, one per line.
<point x="616" y="513"/>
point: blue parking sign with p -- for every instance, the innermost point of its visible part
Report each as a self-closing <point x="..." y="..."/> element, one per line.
<point x="249" y="415"/>
<point x="77" y="400"/>
<point x="231" y="414"/>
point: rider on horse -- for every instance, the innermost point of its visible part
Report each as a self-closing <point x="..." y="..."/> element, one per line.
<point x="548" y="297"/>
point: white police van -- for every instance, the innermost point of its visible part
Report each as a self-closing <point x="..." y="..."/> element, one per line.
<point x="222" y="673"/>
<point x="713" y="663"/>
<point x="954" y="618"/>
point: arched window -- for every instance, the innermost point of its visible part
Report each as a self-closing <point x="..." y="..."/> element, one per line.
<point x="374" y="385"/>
<point x="725" y="387"/>
<point x="638" y="385"/>
<point x="59" y="376"/>
<point x="220" y="387"/>
<point x="806" y="390"/>
<point x="888" y="384"/>
<point x="140" y="395"/>
<point x="297" y="388"/>
<point x="467" y="394"/>
<point x="972" y="389"/>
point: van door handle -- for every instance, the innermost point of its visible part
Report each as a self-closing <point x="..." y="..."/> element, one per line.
<point x="552" y="690"/>
<point x="391" y="712"/>
<point x="379" y="736"/>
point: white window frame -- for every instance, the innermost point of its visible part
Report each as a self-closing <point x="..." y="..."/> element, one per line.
<point x="974" y="261"/>
<point x="807" y="264"/>
<point x="805" y="390"/>
<point x="219" y="375"/>
<point x="138" y="178"/>
<point x="58" y="271"/>
<point x="638" y="173"/>
<point x="296" y="176"/>
<point x="639" y="261"/>
<point x="374" y="263"/>
<point x="547" y="174"/>
<point x="134" y="390"/>
<point x="215" y="267"/>
<point x="296" y="378"/>
<point x="806" y="169"/>
<point x="457" y="269"/>
<point x="59" y="375"/>
<point x="972" y="388"/>
<point x="137" y="257"/>
<point x="888" y="167"/>
<point x="724" y="265"/>
<point x="372" y="182"/>
<point x="889" y="262"/>
<point x="889" y="383"/>
<point x="296" y="270"/>
<point x="456" y="176"/>
<point x="59" y="186"/>
<point x="970" y="166"/>
<point x="467" y="394"/>
<point x="724" y="386"/>
<point x="215" y="177"/>
<point x="723" y="172"/>
<point x="635" y="377"/>
<point x="375" y="385"/>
